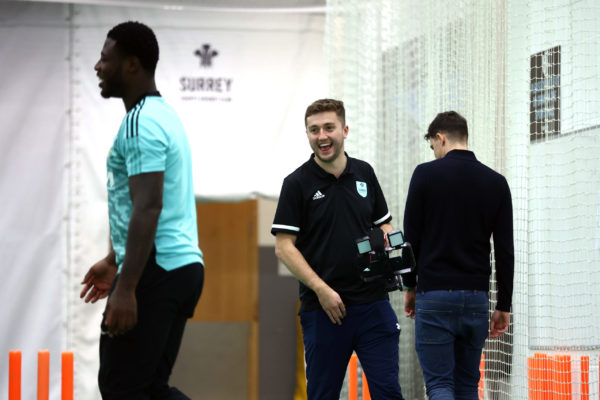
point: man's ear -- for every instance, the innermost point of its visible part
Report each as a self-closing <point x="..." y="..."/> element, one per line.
<point x="440" y="136"/>
<point x="132" y="64"/>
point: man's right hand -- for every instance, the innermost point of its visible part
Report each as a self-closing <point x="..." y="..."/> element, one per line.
<point x="410" y="296"/>
<point x="332" y="304"/>
<point x="98" y="280"/>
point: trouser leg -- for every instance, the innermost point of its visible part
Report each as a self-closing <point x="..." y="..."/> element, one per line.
<point x="160" y="389"/>
<point x="377" y="342"/>
<point x="469" y="345"/>
<point x="128" y="363"/>
<point x="327" y="350"/>
<point x="134" y="366"/>
<point x="434" y="339"/>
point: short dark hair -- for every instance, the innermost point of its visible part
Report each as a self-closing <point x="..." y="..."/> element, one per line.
<point x="133" y="38"/>
<point x="324" y="105"/>
<point x="451" y="123"/>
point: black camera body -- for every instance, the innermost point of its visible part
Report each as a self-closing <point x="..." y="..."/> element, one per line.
<point x="381" y="265"/>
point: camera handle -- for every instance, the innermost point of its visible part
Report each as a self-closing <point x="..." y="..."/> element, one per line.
<point x="376" y="237"/>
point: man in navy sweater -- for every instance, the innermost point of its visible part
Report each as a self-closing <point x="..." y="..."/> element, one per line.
<point x="455" y="204"/>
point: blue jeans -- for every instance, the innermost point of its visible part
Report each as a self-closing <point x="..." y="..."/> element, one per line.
<point x="450" y="330"/>
<point x="372" y="331"/>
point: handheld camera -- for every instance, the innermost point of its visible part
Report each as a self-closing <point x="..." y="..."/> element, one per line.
<point x="381" y="263"/>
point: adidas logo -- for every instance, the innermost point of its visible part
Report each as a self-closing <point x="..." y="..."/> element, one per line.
<point x="318" y="195"/>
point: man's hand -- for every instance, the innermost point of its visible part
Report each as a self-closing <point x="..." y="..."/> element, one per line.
<point x="499" y="323"/>
<point x="98" y="281"/>
<point x="410" y="297"/>
<point x="386" y="228"/>
<point x="332" y="304"/>
<point x="121" y="311"/>
<point x="288" y="253"/>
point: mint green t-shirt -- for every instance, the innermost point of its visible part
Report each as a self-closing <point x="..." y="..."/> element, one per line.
<point x="152" y="139"/>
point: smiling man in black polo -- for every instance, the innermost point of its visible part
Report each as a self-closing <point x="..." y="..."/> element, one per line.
<point x="324" y="206"/>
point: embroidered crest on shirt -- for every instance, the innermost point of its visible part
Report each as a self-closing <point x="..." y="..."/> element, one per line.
<point x="318" y="195"/>
<point x="361" y="188"/>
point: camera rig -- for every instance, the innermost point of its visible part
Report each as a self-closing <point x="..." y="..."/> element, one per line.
<point x="381" y="265"/>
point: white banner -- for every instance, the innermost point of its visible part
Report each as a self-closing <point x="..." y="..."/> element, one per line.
<point x="240" y="83"/>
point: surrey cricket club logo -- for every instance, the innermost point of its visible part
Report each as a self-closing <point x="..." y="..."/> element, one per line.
<point x="210" y="84"/>
<point x="206" y="55"/>
<point x="361" y="188"/>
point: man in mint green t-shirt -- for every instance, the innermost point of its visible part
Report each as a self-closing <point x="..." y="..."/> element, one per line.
<point x="153" y="274"/>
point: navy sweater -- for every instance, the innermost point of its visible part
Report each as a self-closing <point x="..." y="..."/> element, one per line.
<point x="454" y="206"/>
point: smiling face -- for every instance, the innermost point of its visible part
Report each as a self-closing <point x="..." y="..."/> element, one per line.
<point x="326" y="136"/>
<point x="109" y="70"/>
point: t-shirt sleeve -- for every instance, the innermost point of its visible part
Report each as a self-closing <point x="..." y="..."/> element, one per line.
<point x="288" y="215"/>
<point x="381" y="213"/>
<point x="145" y="145"/>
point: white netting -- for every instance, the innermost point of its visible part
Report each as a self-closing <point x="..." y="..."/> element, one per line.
<point x="525" y="75"/>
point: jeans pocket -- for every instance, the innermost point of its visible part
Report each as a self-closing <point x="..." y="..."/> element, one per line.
<point x="433" y="326"/>
<point x="479" y="324"/>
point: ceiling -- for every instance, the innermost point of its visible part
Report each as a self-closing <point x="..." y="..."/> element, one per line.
<point x="240" y="5"/>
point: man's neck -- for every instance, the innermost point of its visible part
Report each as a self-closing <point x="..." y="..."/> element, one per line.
<point x="336" y="167"/>
<point x="132" y="96"/>
<point x="455" y="146"/>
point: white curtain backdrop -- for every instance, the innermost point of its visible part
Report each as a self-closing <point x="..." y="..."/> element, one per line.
<point x="34" y="127"/>
<point x="243" y="114"/>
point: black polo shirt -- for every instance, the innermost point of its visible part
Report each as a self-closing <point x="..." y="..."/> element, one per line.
<point x="327" y="215"/>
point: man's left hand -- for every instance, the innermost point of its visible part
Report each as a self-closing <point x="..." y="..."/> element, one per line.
<point x="121" y="311"/>
<point x="499" y="323"/>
